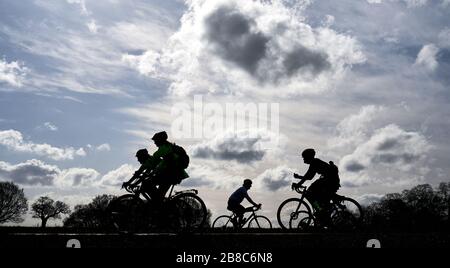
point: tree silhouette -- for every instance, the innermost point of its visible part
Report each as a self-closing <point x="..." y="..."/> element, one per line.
<point x="92" y="215"/>
<point x="45" y="208"/>
<point x="419" y="209"/>
<point x="13" y="203"/>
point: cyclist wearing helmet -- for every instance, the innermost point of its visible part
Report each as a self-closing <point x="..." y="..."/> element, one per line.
<point x="235" y="200"/>
<point x="161" y="165"/>
<point x="322" y="190"/>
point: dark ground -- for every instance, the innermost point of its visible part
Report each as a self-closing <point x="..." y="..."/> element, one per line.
<point x="15" y="237"/>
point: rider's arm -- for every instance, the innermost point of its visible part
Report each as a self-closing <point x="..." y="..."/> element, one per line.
<point x="309" y="175"/>
<point x="250" y="200"/>
<point x="138" y="173"/>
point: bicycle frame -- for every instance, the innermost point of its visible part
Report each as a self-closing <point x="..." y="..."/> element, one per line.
<point x="136" y="190"/>
<point x="302" y="191"/>
<point x="252" y="216"/>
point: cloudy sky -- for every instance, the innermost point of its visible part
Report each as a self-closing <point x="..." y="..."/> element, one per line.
<point x="84" y="84"/>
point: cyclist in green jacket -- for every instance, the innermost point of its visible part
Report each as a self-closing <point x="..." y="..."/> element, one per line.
<point x="160" y="170"/>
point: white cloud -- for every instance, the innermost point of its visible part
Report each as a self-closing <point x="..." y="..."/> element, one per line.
<point x="279" y="178"/>
<point x="118" y="176"/>
<point x="427" y="57"/>
<point x="50" y="126"/>
<point x="353" y="129"/>
<point x="92" y="26"/>
<point x="77" y="177"/>
<point x="138" y="35"/>
<point x="389" y="149"/>
<point x="37" y="173"/>
<point x="146" y="63"/>
<point x="416" y="3"/>
<point x="12" y="73"/>
<point x="14" y="141"/>
<point x="82" y="4"/>
<point x="444" y="37"/>
<point x="368" y="199"/>
<point x="328" y="21"/>
<point x="104" y="147"/>
<point x="409" y="3"/>
<point x="222" y="45"/>
<point x="211" y="175"/>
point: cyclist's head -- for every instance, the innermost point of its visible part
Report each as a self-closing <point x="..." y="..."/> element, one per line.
<point x="142" y="155"/>
<point x="248" y="184"/>
<point x="160" y="138"/>
<point x="308" y="155"/>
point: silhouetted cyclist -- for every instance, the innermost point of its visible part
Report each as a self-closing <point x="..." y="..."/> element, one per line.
<point x="235" y="200"/>
<point x="322" y="190"/>
<point x="160" y="170"/>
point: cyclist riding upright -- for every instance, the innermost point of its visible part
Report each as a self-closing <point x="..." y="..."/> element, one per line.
<point x="235" y="200"/>
<point x="158" y="172"/>
<point x="322" y="190"/>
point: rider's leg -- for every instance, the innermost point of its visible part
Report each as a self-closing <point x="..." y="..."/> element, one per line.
<point x="240" y="211"/>
<point x="162" y="190"/>
<point x="149" y="187"/>
<point x="313" y="195"/>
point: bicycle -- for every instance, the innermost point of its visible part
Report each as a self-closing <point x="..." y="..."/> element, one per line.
<point x="179" y="211"/>
<point x="225" y="222"/>
<point x="345" y="214"/>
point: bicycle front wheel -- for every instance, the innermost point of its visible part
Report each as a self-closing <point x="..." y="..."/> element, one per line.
<point x="223" y="223"/>
<point x="260" y="222"/>
<point x="128" y="213"/>
<point x="294" y="213"/>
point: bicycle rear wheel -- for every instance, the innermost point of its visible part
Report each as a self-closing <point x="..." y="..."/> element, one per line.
<point x="294" y="213"/>
<point x="223" y="223"/>
<point x="347" y="214"/>
<point x="260" y="222"/>
<point x="191" y="211"/>
<point x="128" y="213"/>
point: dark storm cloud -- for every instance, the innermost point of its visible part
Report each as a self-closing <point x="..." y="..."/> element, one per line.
<point x="274" y="185"/>
<point x="247" y="156"/>
<point x="240" y="148"/>
<point x="388" y="144"/>
<point x="354" y="167"/>
<point x="303" y="59"/>
<point x="235" y="39"/>
<point x="395" y="158"/>
<point x="29" y="173"/>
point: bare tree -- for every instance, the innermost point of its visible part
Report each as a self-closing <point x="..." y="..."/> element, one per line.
<point x="13" y="203"/>
<point x="45" y="208"/>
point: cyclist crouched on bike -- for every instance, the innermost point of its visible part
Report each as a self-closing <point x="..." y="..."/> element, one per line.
<point x="158" y="172"/>
<point x="235" y="200"/>
<point x="322" y="190"/>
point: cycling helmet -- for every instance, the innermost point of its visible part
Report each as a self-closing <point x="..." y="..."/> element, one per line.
<point x="142" y="153"/>
<point x="309" y="153"/>
<point x="160" y="136"/>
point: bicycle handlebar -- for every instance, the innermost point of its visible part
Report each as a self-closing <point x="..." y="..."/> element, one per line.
<point x="298" y="187"/>
<point x="258" y="207"/>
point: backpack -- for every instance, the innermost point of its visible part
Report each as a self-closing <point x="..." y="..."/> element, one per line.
<point x="334" y="173"/>
<point x="183" y="158"/>
<point x="334" y="170"/>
